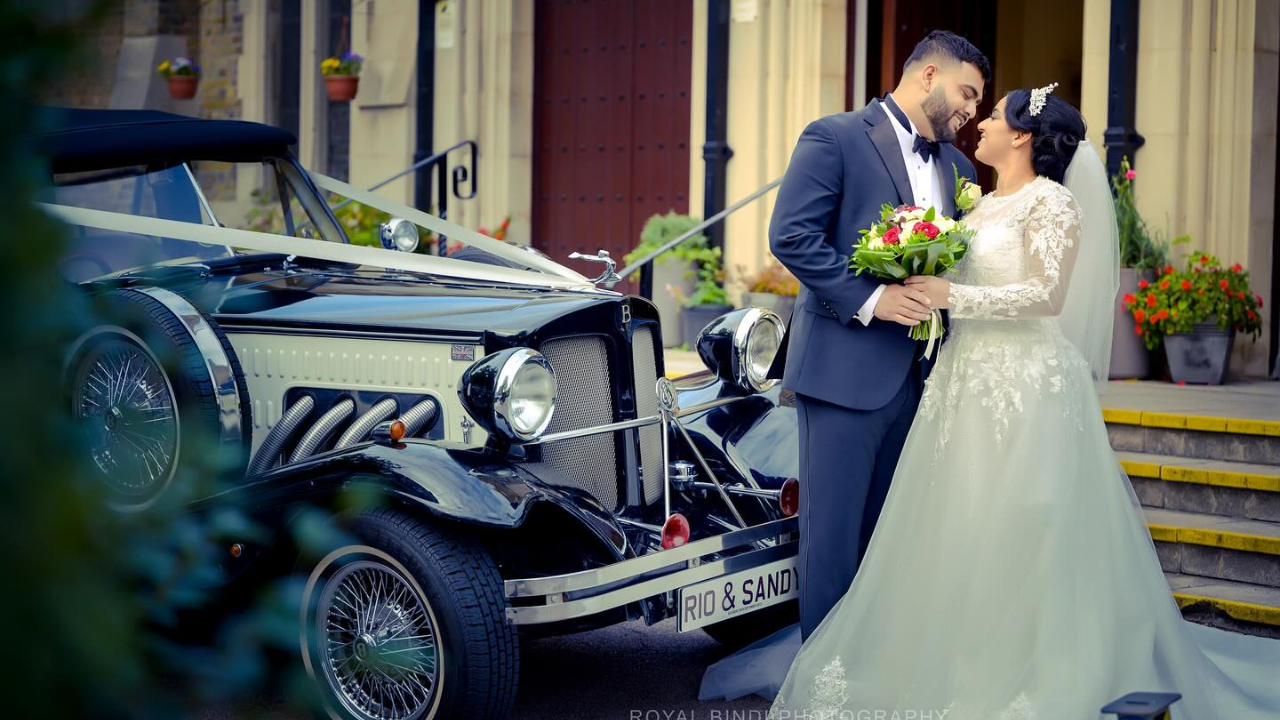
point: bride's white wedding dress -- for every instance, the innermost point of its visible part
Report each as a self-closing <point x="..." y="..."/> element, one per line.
<point x="1011" y="575"/>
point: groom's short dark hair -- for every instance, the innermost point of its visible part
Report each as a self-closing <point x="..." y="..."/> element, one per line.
<point x="941" y="44"/>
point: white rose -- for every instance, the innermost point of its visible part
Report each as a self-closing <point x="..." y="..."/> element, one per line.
<point x="972" y="191"/>
<point x="944" y="224"/>
<point x="876" y="243"/>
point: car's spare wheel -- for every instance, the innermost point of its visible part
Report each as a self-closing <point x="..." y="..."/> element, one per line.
<point x="156" y="391"/>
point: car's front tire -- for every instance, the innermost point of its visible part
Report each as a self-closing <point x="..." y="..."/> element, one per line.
<point x="409" y="624"/>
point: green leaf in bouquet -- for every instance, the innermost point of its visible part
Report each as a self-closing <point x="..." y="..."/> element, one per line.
<point x="929" y="215"/>
<point x="933" y="251"/>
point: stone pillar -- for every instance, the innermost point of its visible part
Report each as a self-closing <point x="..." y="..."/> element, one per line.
<point x="787" y="68"/>
<point x="312" y="98"/>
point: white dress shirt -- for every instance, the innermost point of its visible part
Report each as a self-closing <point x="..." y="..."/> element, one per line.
<point x="925" y="187"/>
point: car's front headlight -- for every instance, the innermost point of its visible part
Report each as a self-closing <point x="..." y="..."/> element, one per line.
<point x="511" y="393"/>
<point x="740" y="346"/>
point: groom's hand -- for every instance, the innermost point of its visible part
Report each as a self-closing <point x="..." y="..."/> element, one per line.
<point x="903" y="305"/>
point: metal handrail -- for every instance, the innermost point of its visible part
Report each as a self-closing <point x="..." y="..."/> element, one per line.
<point x="694" y="231"/>
<point x="460" y="174"/>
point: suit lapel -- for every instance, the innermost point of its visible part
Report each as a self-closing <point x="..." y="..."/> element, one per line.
<point x="947" y="182"/>
<point x="886" y="142"/>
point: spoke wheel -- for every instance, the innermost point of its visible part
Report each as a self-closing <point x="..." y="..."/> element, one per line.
<point x="379" y="649"/>
<point x="125" y="403"/>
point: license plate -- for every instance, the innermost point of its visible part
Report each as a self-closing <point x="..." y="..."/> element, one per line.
<point x="717" y="599"/>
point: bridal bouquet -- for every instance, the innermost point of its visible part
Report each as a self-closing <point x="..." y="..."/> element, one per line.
<point x="910" y="240"/>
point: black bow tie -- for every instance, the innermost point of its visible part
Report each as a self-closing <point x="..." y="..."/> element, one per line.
<point x="926" y="148"/>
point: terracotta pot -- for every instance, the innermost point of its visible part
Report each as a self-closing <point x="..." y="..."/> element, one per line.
<point x="342" y="88"/>
<point x="183" y="87"/>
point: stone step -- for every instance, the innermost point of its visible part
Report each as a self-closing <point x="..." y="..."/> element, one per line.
<point x="1214" y="487"/>
<point x="1216" y="547"/>
<point x="1251" y="605"/>
<point x="1202" y="437"/>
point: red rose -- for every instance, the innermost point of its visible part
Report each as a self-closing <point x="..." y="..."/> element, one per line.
<point x="1139" y="315"/>
<point x="1129" y="299"/>
<point x="1143" y="284"/>
<point x="927" y="229"/>
<point x="1164" y="285"/>
<point x="1186" y="284"/>
<point x="1151" y="301"/>
<point x="1237" y="267"/>
<point x="892" y="236"/>
<point x="1223" y="284"/>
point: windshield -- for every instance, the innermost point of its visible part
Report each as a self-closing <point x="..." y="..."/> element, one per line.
<point x="268" y="196"/>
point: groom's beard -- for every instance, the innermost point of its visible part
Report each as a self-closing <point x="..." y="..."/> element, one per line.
<point x="939" y="115"/>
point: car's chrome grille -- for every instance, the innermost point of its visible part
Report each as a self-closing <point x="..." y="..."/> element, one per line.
<point x="644" y="358"/>
<point x="584" y="399"/>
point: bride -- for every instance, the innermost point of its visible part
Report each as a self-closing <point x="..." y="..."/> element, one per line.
<point x="1011" y="575"/>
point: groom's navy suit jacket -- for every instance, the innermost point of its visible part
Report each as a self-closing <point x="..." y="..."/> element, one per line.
<point x="843" y="169"/>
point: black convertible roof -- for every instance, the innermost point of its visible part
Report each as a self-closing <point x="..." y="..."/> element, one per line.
<point x="80" y="139"/>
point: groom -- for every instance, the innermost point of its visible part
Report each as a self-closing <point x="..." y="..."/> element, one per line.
<point x="847" y="355"/>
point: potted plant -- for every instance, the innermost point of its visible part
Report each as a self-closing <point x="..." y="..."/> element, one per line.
<point x="1196" y="314"/>
<point x="708" y="300"/>
<point x="1140" y="256"/>
<point x="674" y="271"/>
<point x="183" y="76"/>
<point x="342" y="76"/>
<point x="774" y="288"/>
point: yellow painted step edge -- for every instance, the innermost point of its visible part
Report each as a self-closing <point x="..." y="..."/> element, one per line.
<point x="1249" y="612"/>
<point x="1203" y="423"/>
<point x="1202" y="476"/>
<point x="1215" y="538"/>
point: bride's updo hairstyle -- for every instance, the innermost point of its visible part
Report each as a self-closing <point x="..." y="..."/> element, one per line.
<point x="1056" y="131"/>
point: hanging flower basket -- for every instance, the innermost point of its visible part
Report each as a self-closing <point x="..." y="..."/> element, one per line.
<point x="183" y="77"/>
<point x="342" y="76"/>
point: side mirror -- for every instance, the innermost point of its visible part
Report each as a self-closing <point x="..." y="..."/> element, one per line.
<point x="398" y="234"/>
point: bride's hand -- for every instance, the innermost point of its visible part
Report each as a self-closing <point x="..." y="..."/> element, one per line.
<point x="935" y="287"/>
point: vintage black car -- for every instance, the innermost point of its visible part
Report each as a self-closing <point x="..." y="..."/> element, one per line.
<point x="536" y="471"/>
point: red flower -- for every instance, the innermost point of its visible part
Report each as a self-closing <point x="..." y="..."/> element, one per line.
<point x="1164" y="284"/>
<point x="928" y="229"/>
<point x="1259" y="301"/>
<point x="1151" y="301"/>
<point x="1252" y="316"/>
<point x="1154" y="319"/>
<point x="1143" y="284"/>
<point x="892" y="236"/>
<point x="1129" y="299"/>
<point x="1182" y="382"/>
<point x="1139" y="315"/>
<point x="1163" y="314"/>
<point x="1240" y="295"/>
<point x="1168" y="269"/>
<point x="1186" y="284"/>
<point x="1237" y="267"/>
<point x="1137" y="329"/>
<point x="1131" y="175"/>
<point x="1204" y="259"/>
<point x="1201" y="292"/>
<point x="1223" y="284"/>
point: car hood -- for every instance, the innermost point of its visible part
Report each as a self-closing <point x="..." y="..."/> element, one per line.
<point x="386" y="303"/>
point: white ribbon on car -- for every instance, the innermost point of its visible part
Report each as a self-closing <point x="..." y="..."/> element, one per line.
<point x="331" y="251"/>
<point x="441" y="226"/>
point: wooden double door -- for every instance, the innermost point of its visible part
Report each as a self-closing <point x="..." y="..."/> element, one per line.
<point x="611" y="123"/>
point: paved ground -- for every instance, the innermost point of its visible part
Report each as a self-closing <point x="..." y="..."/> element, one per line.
<point x="625" y="672"/>
<point x="1249" y="399"/>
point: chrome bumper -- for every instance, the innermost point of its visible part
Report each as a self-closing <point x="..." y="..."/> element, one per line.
<point x="587" y="592"/>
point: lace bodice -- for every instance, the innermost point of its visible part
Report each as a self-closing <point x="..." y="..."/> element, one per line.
<point x="1020" y="260"/>
<point x="1005" y="346"/>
